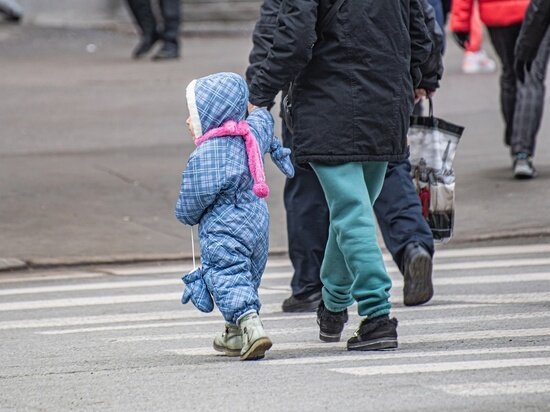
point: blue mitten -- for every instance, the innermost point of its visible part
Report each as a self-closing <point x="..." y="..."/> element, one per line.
<point x="281" y="157"/>
<point x="197" y="291"/>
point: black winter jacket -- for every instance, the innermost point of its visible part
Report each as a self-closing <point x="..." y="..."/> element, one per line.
<point x="353" y="90"/>
<point x="533" y="29"/>
<point x="262" y="39"/>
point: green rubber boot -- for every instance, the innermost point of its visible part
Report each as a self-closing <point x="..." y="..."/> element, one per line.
<point x="255" y="340"/>
<point x="229" y="342"/>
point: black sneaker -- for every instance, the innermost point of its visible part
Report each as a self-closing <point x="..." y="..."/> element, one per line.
<point x="306" y="304"/>
<point x="417" y="276"/>
<point x="331" y="324"/>
<point x="378" y="333"/>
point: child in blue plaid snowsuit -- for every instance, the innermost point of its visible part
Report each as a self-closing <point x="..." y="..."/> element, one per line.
<point x="220" y="191"/>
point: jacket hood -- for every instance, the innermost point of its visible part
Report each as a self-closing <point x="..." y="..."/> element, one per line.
<point x="215" y="99"/>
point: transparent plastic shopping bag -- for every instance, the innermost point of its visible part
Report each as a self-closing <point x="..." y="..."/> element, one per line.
<point x="432" y="144"/>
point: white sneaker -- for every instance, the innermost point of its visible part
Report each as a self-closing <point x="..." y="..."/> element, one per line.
<point x="230" y="341"/>
<point x="255" y="340"/>
<point x="478" y="62"/>
<point x="523" y="167"/>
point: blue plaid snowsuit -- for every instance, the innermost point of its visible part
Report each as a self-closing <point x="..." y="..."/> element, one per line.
<point x="216" y="192"/>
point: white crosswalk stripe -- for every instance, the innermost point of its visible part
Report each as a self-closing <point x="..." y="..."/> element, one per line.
<point x="181" y="314"/>
<point x="497" y="388"/>
<point x="177" y="283"/>
<point x="404" y="339"/>
<point x="490" y="313"/>
<point x="269" y="319"/>
<point x="444" y="366"/>
<point x="401" y="355"/>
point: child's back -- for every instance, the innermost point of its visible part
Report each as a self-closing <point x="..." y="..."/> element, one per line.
<point x="219" y="193"/>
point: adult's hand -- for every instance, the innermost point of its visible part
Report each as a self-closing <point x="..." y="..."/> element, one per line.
<point x="461" y="38"/>
<point x="522" y="67"/>
<point x="419" y="94"/>
<point x="251" y="107"/>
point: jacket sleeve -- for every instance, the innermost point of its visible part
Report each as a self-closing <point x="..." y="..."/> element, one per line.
<point x="290" y="53"/>
<point x="262" y="37"/>
<point x="421" y="43"/>
<point x="461" y="14"/>
<point x="262" y="125"/>
<point x="535" y="25"/>
<point x="202" y="181"/>
<point x="432" y="69"/>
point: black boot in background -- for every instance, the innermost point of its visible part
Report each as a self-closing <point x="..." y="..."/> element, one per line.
<point x="171" y="16"/>
<point x="143" y="16"/>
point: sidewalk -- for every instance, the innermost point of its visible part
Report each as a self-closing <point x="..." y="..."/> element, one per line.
<point x="92" y="145"/>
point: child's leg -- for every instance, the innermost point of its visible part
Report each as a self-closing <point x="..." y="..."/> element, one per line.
<point x="230" y="281"/>
<point x="230" y="274"/>
<point x="258" y="259"/>
<point x="354" y="231"/>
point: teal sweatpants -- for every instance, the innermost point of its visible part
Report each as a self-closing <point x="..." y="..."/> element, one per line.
<point x="353" y="267"/>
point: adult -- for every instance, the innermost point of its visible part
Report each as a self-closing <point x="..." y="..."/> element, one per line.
<point x="521" y="103"/>
<point x="351" y="98"/>
<point x="405" y="232"/>
<point x="533" y="30"/>
<point x="152" y="30"/>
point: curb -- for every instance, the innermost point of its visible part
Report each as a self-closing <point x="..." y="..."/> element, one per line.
<point x="202" y="29"/>
<point x="10" y="264"/>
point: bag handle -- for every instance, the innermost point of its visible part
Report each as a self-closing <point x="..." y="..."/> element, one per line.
<point x="431" y="108"/>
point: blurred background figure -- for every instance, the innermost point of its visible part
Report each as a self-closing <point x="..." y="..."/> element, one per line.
<point x="152" y="30"/>
<point x="475" y="58"/>
<point x="522" y="103"/>
<point x="11" y="10"/>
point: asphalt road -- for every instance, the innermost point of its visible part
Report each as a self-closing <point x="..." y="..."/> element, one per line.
<point x="92" y="145"/>
<point x="117" y="338"/>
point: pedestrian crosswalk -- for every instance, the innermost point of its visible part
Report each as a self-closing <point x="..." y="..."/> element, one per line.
<point x="490" y="313"/>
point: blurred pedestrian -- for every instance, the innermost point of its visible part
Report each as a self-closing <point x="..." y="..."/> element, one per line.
<point x="167" y="30"/>
<point x="531" y="36"/>
<point x="475" y="58"/>
<point x="351" y="101"/>
<point x="222" y="191"/>
<point x="521" y="103"/>
<point x="398" y="210"/>
<point x="12" y="10"/>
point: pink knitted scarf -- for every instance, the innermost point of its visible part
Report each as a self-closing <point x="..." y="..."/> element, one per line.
<point x="255" y="163"/>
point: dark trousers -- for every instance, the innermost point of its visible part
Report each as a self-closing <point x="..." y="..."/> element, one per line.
<point x="170" y="11"/>
<point x="397" y="209"/>
<point x="521" y="104"/>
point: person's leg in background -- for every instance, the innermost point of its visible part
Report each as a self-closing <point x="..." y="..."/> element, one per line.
<point x="145" y="19"/>
<point x="171" y="17"/>
<point x="528" y="113"/>
<point x="307" y="229"/>
<point x="406" y="233"/>
<point x="353" y="260"/>
<point x="475" y="58"/>
<point x="504" y="42"/>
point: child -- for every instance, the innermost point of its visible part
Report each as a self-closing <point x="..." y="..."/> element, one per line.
<point x="222" y="190"/>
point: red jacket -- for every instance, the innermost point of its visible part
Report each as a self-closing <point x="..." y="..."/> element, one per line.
<point x="494" y="13"/>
